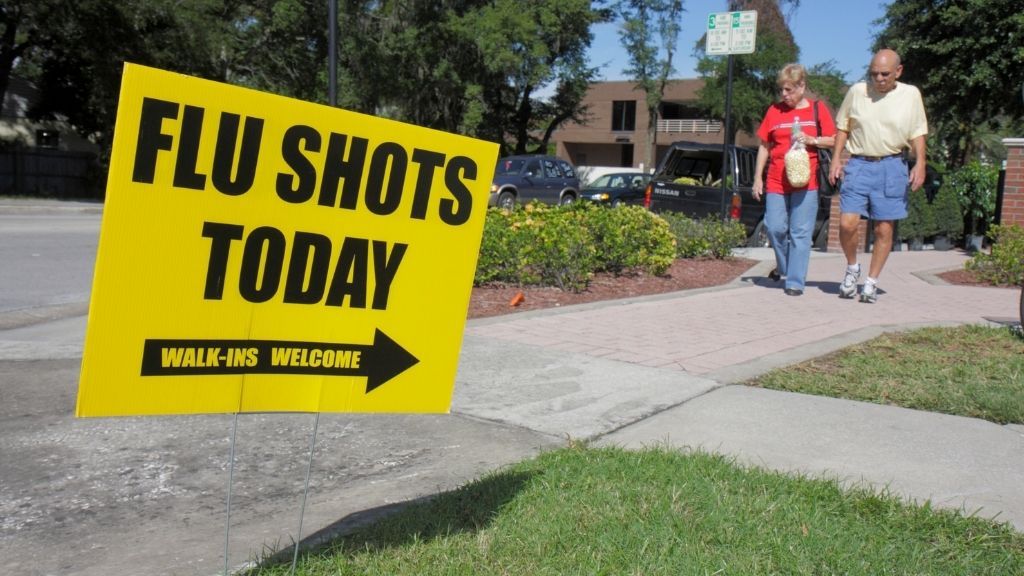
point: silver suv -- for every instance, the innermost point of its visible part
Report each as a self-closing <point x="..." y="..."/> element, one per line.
<point x="520" y="179"/>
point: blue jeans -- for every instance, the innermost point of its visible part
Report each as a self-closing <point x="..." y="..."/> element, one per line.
<point x="789" y="219"/>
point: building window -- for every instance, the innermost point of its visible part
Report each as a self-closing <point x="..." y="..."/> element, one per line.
<point x="624" y="115"/>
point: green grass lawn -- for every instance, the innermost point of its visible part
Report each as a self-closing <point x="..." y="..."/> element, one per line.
<point x="974" y="371"/>
<point x="610" y="511"/>
<point x="584" y="511"/>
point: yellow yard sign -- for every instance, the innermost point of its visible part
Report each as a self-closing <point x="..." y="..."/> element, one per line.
<point x="260" y="253"/>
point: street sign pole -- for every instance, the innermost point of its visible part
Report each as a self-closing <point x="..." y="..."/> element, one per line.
<point x="729" y="33"/>
<point x="725" y="138"/>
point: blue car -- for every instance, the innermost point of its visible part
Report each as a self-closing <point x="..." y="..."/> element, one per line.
<point x="617" y="188"/>
<point x="520" y="179"/>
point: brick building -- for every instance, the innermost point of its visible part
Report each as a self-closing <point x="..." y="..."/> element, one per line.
<point x="1012" y="209"/>
<point x="616" y="132"/>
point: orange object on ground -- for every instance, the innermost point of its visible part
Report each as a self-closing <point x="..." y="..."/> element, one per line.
<point x="517" y="299"/>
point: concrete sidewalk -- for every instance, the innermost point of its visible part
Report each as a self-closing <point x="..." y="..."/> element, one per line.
<point x="659" y="371"/>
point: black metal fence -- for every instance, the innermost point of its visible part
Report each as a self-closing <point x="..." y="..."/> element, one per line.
<point x="50" y="173"/>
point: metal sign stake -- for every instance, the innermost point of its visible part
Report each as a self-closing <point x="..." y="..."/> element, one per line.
<point x="231" y="474"/>
<point x="305" y="493"/>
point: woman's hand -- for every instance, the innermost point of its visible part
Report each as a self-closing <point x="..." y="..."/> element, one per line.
<point x="758" y="190"/>
<point x="807" y="140"/>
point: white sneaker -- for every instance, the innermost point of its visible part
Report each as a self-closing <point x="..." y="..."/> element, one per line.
<point x="848" y="289"/>
<point x="869" y="293"/>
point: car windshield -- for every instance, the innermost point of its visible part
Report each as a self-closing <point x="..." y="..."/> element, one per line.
<point x="617" y="181"/>
<point x="611" y="181"/>
<point x="510" y="166"/>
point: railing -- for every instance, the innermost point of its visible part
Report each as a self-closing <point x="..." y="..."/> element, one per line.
<point x="690" y="126"/>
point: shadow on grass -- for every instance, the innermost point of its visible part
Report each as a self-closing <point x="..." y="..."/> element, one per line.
<point x="467" y="509"/>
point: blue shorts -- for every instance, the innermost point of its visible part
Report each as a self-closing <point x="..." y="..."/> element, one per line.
<point x="876" y="189"/>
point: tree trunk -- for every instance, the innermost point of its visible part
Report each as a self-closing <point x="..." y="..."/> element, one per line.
<point x="650" y="150"/>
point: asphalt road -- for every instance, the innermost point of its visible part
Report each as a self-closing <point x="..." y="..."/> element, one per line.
<point x="47" y="251"/>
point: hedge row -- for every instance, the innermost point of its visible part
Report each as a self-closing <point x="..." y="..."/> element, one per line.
<point x="565" y="246"/>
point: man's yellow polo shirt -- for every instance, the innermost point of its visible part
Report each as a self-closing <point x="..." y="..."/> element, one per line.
<point x="881" y="124"/>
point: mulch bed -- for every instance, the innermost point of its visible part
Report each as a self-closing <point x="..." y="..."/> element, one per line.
<point x="684" y="274"/>
<point x="967" y="278"/>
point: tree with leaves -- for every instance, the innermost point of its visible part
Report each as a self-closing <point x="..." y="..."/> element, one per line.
<point x="649" y="32"/>
<point x="281" y="47"/>
<point x="24" y="28"/>
<point x="469" y="66"/>
<point x="519" y="48"/>
<point x="77" y="62"/>
<point x="967" y="58"/>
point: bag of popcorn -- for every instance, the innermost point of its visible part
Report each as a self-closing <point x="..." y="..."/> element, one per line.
<point x="798" y="163"/>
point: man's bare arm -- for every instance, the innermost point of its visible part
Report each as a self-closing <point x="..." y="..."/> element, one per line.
<point x="918" y="173"/>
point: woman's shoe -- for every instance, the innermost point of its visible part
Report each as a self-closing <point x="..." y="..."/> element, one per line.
<point x="793" y="292"/>
<point x="774" y="275"/>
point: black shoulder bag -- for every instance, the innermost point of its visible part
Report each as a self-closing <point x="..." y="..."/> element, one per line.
<point x="825" y="188"/>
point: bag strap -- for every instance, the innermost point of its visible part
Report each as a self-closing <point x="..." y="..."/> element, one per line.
<point x="817" y="123"/>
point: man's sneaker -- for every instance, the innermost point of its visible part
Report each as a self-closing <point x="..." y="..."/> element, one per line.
<point x="848" y="289"/>
<point x="869" y="293"/>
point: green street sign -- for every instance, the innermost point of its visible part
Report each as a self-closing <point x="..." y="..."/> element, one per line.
<point x="731" y="33"/>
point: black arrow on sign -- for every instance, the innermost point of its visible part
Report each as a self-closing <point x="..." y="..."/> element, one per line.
<point x="378" y="362"/>
<point x="385" y="360"/>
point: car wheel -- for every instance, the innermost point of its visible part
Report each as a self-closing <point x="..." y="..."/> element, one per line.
<point x="617" y="202"/>
<point x="506" y="200"/>
<point x="567" y="199"/>
<point x="759" y="239"/>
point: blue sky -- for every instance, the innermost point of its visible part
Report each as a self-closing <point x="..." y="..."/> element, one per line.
<point x="839" y="30"/>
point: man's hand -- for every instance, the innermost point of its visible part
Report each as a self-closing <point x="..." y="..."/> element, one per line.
<point x="835" y="170"/>
<point x="917" y="176"/>
<point x="758" y="189"/>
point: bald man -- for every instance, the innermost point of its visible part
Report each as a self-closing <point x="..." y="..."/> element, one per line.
<point x="878" y="120"/>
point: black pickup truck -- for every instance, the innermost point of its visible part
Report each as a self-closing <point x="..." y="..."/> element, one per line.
<point x="688" y="180"/>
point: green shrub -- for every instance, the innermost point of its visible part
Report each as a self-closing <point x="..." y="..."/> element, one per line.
<point x="501" y="248"/>
<point x="536" y="245"/>
<point x="708" y="237"/>
<point x="629" y="238"/>
<point x="949" y="219"/>
<point x="975" y="188"/>
<point x="920" y="221"/>
<point x="564" y="246"/>
<point x="1005" y="265"/>
<point x="556" y="249"/>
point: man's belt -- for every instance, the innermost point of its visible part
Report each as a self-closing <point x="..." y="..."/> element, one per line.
<point x="874" y="158"/>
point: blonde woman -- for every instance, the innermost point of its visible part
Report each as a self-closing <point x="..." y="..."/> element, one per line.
<point x="790" y="210"/>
